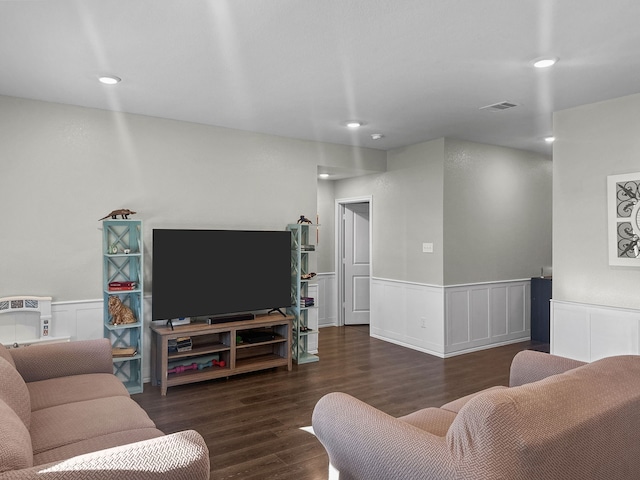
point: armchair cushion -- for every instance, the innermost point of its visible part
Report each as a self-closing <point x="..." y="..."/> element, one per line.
<point x="76" y="388"/>
<point x="433" y="420"/>
<point x="456" y="405"/>
<point x="52" y="427"/>
<point x="96" y="443"/>
<point x="14" y="392"/>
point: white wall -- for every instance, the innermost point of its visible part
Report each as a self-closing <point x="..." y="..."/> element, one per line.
<point x="595" y="310"/>
<point x="63" y="167"/>
<point x="497" y="213"/>
<point x="593" y="141"/>
<point x="487" y="211"/>
<point x="325" y="250"/>
<point x="407" y="211"/>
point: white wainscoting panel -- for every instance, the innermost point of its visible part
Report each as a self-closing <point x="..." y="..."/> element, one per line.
<point x="590" y="332"/>
<point x="80" y="320"/>
<point x="487" y="315"/>
<point x="326" y="299"/>
<point x="447" y="321"/>
<point x="408" y="314"/>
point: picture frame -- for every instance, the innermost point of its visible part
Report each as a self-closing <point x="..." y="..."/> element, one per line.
<point x="623" y="196"/>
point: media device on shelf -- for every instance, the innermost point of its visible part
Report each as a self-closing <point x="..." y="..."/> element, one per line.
<point x="219" y="273"/>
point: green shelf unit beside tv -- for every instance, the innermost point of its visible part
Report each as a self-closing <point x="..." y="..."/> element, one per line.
<point x="122" y="277"/>
<point x="302" y="246"/>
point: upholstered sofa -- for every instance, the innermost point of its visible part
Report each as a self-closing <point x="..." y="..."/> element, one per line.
<point x="64" y="415"/>
<point x="559" y="419"/>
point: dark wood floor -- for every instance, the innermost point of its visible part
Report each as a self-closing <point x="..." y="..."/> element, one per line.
<point x="252" y="423"/>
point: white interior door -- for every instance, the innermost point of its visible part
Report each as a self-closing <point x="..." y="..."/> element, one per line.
<point x="355" y="262"/>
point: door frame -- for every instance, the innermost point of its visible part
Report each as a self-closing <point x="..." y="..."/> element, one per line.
<point x="339" y="244"/>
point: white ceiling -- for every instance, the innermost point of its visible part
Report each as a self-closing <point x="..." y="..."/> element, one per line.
<point x="413" y="70"/>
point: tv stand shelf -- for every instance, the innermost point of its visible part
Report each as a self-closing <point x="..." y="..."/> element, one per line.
<point x="221" y="340"/>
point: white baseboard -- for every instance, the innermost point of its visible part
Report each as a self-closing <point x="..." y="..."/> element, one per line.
<point x="452" y="354"/>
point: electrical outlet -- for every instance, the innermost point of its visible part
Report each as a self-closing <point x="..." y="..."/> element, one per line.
<point x="427" y="248"/>
<point x="423" y="322"/>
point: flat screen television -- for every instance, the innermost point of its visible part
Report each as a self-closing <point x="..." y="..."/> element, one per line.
<point x="200" y="273"/>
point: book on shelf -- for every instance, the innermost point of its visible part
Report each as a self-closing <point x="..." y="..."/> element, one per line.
<point x="180" y="344"/>
<point x="122" y="286"/>
<point x="117" y="352"/>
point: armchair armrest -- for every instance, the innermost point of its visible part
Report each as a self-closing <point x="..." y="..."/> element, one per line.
<point x="40" y="362"/>
<point x="182" y="455"/>
<point x="530" y="366"/>
<point x="366" y="443"/>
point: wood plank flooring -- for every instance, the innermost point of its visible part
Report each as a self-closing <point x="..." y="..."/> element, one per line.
<point x="252" y="423"/>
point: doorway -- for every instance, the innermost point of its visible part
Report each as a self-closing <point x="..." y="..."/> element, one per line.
<point x="353" y="260"/>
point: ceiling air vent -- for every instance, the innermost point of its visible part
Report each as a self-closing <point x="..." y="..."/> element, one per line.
<point x="498" y="107"/>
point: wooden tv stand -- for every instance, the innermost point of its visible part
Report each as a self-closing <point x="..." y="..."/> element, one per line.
<point x="220" y="340"/>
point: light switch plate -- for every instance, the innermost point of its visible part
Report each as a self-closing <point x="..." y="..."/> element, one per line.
<point x="427" y="248"/>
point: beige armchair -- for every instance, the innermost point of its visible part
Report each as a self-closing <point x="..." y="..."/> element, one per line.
<point x="559" y="419"/>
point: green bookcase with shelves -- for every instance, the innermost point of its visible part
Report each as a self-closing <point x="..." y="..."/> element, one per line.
<point x="122" y="278"/>
<point x="302" y="246"/>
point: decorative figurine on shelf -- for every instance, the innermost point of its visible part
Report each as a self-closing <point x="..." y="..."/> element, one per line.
<point x="303" y="219"/>
<point x="120" y="313"/>
<point x="123" y="212"/>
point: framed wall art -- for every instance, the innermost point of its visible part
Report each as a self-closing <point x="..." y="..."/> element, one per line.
<point x="623" y="194"/>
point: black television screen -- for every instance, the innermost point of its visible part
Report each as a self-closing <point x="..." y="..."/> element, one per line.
<point x="213" y="272"/>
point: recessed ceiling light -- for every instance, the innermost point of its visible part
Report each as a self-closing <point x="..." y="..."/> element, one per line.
<point x="354" y="124"/>
<point x="377" y="136"/>
<point x="324" y="175"/>
<point x="545" y="62"/>
<point x="549" y="139"/>
<point x="109" y="79"/>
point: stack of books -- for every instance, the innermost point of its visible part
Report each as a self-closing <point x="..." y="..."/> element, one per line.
<point x="307" y="302"/>
<point x="122" y="286"/>
<point x="180" y="344"/>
